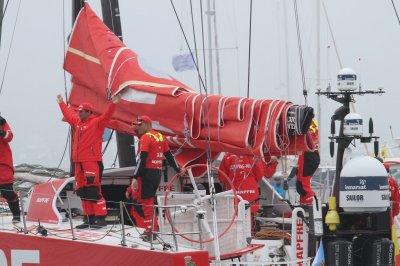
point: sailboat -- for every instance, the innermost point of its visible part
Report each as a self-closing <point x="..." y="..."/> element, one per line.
<point x="199" y="127"/>
<point x="197" y="227"/>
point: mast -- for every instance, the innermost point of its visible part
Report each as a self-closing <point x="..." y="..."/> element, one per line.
<point x="210" y="13"/>
<point x="217" y="51"/>
<point x="319" y="69"/>
<point x="77" y="5"/>
<point x="125" y="142"/>
<point x="285" y="26"/>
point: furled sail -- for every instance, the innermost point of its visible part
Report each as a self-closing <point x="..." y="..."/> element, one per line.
<point x="101" y="66"/>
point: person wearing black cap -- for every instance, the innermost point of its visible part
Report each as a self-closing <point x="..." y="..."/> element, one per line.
<point x="147" y="176"/>
<point x="7" y="170"/>
<point x="87" y="156"/>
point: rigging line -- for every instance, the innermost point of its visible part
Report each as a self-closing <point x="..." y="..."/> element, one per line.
<point x="352" y="106"/>
<point x="4" y="13"/>
<point x="115" y="160"/>
<point x="249" y="59"/>
<point x="331" y="33"/>
<point x="9" y="49"/>
<point x="194" y="38"/>
<point x="208" y="146"/>
<point x="108" y="142"/>
<point x="203" y="83"/>
<point x="300" y="50"/>
<point x="395" y="10"/>
<point x="188" y="46"/>
<point x="65" y="149"/>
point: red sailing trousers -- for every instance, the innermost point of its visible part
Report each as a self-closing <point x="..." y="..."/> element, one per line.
<point x="142" y="209"/>
<point x="88" y="187"/>
<point x="308" y="163"/>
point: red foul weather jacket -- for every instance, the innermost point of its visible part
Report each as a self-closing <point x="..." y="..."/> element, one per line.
<point x="6" y="161"/>
<point x="394" y="196"/>
<point x="87" y="144"/>
<point x="245" y="173"/>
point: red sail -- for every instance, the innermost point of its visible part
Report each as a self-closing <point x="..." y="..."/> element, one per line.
<point x="101" y="65"/>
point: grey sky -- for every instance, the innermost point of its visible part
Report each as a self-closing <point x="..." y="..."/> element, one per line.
<point x="365" y="29"/>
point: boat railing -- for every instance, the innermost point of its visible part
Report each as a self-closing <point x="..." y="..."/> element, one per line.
<point x="64" y="204"/>
<point x="154" y="233"/>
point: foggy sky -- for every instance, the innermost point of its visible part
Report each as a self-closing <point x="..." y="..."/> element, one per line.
<point x="366" y="32"/>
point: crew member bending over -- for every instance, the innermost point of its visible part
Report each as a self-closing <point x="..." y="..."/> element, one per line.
<point x="245" y="172"/>
<point x="87" y="156"/>
<point x="153" y="147"/>
<point x="7" y="170"/>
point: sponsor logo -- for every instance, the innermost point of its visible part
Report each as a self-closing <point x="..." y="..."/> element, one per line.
<point x="164" y="188"/>
<point x="355" y="197"/>
<point x="43" y="200"/>
<point x="355" y="187"/>
<point x="299" y="240"/>
<point x="240" y="166"/>
<point x="249" y="191"/>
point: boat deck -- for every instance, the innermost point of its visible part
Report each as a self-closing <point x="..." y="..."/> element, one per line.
<point x="90" y="247"/>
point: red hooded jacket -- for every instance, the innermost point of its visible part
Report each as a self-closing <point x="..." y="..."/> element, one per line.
<point x="394" y="196"/>
<point x="6" y="161"/>
<point x="87" y="143"/>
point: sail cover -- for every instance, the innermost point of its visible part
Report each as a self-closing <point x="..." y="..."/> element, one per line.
<point x="194" y="124"/>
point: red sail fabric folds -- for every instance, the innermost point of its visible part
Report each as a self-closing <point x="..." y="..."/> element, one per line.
<point x="101" y="66"/>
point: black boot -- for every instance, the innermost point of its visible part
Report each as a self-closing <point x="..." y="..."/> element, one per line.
<point x="87" y="221"/>
<point x="99" y="222"/>
<point x="14" y="207"/>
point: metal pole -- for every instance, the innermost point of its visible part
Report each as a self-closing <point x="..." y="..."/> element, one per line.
<point x="121" y="209"/>
<point x="219" y="86"/>
<point x="70" y="220"/>
<point x="23" y="214"/>
<point x="200" y="216"/>
<point x="125" y="142"/>
<point x="173" y="228"/>
<point x="152" y="227"/>
<point x="210" y="13"/>
<point x="77" y="5"/>
<point x="319" y="110"/>
<point x="286" y="50"/>
<point x="342" y="145"/>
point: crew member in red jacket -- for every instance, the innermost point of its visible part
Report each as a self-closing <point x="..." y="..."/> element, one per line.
<point x="7" y="170"/>
<point x="307" y="165"/>
<point x="153" y="147"/>
<point x="87" y="156"/>
<point x="245" y="172"/>
<point x="394" y="192"/>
